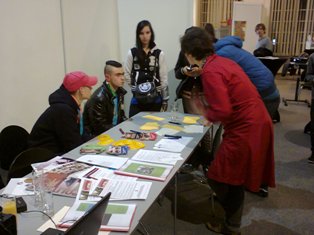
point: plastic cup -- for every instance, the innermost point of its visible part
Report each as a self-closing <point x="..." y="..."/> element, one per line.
<point x="8" y="205"/>
<point x="174" y="108"/>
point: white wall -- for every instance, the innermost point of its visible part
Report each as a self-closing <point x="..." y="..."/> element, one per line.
<point x="266" y="9"/>
<point x="251" y="13"/>
<point x="169" y="20"/>
<point x="31" y="47"/>
<point x="31" y="50"/>
<point x="31" y="58"/>
<point x="91" y="35"/>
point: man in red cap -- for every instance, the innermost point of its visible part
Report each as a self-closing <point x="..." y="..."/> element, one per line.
<point x="60" y="127"/>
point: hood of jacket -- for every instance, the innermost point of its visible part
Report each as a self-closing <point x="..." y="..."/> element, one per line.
<point x="228" y="40"/>
<point x="62" y="96"/>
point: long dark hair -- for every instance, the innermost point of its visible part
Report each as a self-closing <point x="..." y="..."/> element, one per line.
<point x="139" y="46"/>
<point x="139" y="28"/>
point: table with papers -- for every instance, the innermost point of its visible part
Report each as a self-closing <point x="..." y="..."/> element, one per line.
<point x="167" y="153"/>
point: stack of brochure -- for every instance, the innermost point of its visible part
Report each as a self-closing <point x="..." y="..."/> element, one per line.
<point x="145" y="170"/>
<point x="118" y="217"/>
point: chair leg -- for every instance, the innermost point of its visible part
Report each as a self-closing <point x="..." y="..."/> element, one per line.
<point x="212" y="199"/>
<point x="144" y="227"/>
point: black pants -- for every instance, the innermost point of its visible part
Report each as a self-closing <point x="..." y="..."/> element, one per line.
<point x="231" y="198"/>
<point x="272" y="108"/>
<point x="312" y="124"/>
<point x="136" y="108"/>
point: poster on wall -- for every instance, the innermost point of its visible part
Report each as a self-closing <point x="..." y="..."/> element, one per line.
<point x="239" y="29"/>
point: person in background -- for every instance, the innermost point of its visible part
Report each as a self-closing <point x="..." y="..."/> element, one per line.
<point x="245" y="158"/>
<point x="60" y="128"/>
<point x="310" y="77"/>
<point x="263" y="40"/>
<point x="146" y="72"/>
<point x="262" y="78"/>
<point x="105" y="108"/>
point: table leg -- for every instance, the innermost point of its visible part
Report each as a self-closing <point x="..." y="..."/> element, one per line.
<point x="175" y="203"/>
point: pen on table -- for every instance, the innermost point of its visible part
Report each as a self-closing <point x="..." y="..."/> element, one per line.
<point x="122" y="132"/>
<point x="136" y="132"/>
<point x="177" y="123"/>
<point x="88" y="174"/>
<point x="173" y="136"/>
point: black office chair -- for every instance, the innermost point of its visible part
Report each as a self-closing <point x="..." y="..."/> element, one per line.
<point x="300" y="65"/>
<point x="13" y="140"/>
<point x="21" y="165"/>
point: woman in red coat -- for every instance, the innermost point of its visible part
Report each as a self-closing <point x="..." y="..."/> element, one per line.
<point x="245" y="158"/>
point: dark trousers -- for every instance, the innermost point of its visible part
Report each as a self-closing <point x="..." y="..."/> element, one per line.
<point x="136" y="108"/>
<point x="231" y="198"/>
<point x="272" y="108"/>
<point x="312" y="124"/>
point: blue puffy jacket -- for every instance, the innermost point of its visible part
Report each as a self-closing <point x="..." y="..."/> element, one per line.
<point x="263" y="79"/>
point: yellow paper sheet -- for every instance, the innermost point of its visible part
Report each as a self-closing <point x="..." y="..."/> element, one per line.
<point x="152" y="117"/>
<point x="190" y="120"/>
<point x="173" y="127"/>
<point x="148" y="126"/>
<point x="133" y="144"/>
<point x="104" y="139"/>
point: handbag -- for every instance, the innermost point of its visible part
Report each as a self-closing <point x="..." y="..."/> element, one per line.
<point x="187" y="84"/>
<point x="146" y="92"/>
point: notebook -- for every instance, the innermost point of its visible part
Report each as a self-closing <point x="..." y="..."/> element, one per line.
<point x="88" y="224"/>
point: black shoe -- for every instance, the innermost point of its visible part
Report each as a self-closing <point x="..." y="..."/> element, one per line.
<point x="263" y="192"/>
<point x="219" y="228"/>
<point x="307" y="128"/>
<point x="311" y="159"/>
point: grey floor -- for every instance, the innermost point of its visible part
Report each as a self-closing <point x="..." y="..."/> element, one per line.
<point x="289" y="209"/>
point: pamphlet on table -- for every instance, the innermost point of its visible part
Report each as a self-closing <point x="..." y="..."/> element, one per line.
<point x="62" y="180"/>
<point x="118" y="217"/>
<point x="157" y="157"/>
<point x="92" y="190"/>
<point x="19" y="187"/>
<point x="103" y="160"/>
<point x="145" y="170"/>
<point x="172" y="145"/>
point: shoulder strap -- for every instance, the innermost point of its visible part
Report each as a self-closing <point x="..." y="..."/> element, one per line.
<point x="133" y="51"/>
<point x="156" y="54"/>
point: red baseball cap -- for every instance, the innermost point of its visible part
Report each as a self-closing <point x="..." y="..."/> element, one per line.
<point x="74" y="80"/>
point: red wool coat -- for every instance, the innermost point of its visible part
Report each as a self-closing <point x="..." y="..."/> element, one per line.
<point x="246" y="154"/>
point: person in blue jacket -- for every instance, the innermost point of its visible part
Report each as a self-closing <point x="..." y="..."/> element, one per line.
<point x="263" y="79"/>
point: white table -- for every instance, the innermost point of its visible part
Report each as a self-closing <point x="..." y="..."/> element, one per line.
<point x="29" y="222"/>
